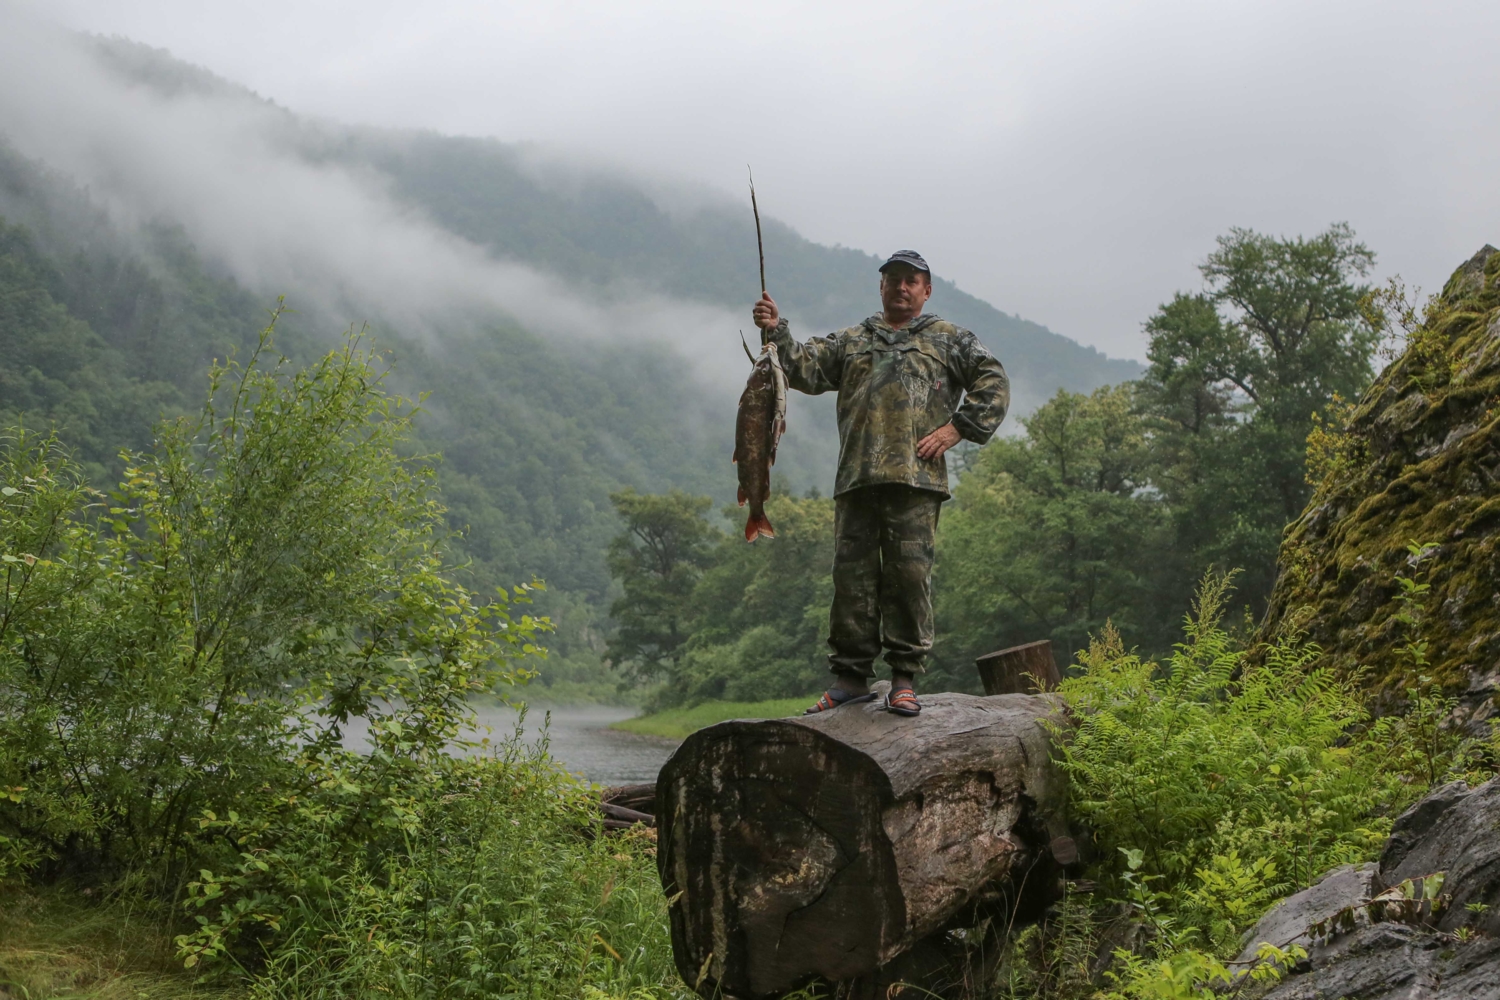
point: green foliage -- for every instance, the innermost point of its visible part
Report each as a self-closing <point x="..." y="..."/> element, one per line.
<point x="1114" y="504"/>
<point x="1052" y="534"/>
<point x="713" y="617"/>
<point x="266" y="573"/>
<point x="761" y="625"/>
<point x="1051" y="958"/>
<point x="55" y="370"/>
<point x="489" y="877"/>
<point x="658" y="561"/>
<point x="1214" y="757"/>
<point x="177" y="672"/>
<point x="1236" y="375"/>
<point x="1215" y="783"/>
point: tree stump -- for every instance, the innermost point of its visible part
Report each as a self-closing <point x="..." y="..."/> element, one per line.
<point x="1006" y="672"/>
<point x="826" y="846"/>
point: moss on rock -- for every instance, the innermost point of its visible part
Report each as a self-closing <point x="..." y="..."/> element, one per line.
<point x="1419" y="460"/>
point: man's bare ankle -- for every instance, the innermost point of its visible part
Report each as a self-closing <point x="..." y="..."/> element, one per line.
<point x="852" y="683"/>
<point x="899" y="681"/>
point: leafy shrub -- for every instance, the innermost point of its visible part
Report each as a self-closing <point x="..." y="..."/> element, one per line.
<point x="267" y="572"/>
<point x="1215" y="756"/>
<point x="1217" y="782"/>
<point x="491" y="880"/>
<point x="179" y="664"/>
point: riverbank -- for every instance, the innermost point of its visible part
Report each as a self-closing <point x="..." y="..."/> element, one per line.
<point x="680" y="723"/>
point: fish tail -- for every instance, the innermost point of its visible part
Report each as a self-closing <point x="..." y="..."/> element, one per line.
<point x="758" y="525"/>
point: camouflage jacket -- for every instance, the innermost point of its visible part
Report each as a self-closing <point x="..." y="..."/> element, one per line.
<point x="895" y="387"/>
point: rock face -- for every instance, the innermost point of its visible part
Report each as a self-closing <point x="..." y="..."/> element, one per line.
<point x="1420" y="461"/>
<point x="1454" y="830"/>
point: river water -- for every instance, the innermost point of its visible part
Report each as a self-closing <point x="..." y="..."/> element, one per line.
<point x="579" y="739"/>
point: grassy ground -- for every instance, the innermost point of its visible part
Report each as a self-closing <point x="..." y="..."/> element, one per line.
<point x="679" y="723"/>
<point x="55" y="944"/>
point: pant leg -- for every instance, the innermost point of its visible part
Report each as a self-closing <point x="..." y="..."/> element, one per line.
<point x="854" y="619"/>
<point x="908" y="532"/>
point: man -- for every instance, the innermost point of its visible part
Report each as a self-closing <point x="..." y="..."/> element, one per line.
<point x="899" y="376"/>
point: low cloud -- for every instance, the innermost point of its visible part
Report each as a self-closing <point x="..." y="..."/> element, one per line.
<point x="227" y="167"/>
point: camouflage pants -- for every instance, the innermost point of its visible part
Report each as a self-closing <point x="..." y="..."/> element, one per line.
<point x="882" y="578"/>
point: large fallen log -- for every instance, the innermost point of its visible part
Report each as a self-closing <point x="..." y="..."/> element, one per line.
<point x="823" y="848"/>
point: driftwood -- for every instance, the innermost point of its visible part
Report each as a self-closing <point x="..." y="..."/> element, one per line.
<point x="1027" y="669"/>
<point x="825" y="847"/>
<point x="625" y="806"/>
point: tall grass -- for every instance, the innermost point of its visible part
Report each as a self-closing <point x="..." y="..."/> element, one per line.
<point x="60" y="943"/>
<point x="509" y="888"/>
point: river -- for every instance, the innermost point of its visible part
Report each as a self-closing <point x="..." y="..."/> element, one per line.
<point x="579" y="739"/>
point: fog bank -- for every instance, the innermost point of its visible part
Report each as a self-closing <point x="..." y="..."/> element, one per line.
<point x="228" y="168"/>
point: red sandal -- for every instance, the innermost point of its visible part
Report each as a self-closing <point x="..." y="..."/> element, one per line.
<point x="903" y="701"/>
<point x="834" y="697"/>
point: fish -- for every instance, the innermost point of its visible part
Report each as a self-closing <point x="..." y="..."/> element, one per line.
<point x="757" y="432"/>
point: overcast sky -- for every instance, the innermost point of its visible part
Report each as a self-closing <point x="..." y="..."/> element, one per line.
<point x="1068" y="161"/>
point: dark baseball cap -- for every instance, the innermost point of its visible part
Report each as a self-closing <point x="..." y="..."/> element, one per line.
<point x="908" y="257"/>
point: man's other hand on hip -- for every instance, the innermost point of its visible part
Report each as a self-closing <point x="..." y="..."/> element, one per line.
<point x="931" y="447"/>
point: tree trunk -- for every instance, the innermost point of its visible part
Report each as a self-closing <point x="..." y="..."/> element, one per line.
<point x="825" y="847"/>
<point x="1027" y="669"/>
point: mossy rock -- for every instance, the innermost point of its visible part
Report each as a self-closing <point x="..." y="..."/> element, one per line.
<point x="1419" y="461"/>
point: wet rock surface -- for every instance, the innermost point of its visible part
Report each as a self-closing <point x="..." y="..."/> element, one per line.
<point x="1452" y="954"/>
<point x="1287" y="922"/>
<point x="1420" y="461"/>
<point x="1393" y="960"/>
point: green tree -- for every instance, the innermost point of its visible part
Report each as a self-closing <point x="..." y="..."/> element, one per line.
<point x="657" y="560"/>
<point x="1236" y="374"/>
<point x="712" y="617"/>
<point x="1052" y="534"/>
<point x="268" y="572"/>
<point x="761" y="624"/>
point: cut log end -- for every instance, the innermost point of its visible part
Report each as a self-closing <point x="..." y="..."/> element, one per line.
<point x="824" y="847"/>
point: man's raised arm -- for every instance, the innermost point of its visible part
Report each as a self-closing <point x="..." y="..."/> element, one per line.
<point x="986" y="391"/>
<point x="813" y="367"/>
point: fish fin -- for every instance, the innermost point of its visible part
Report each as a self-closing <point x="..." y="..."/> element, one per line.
<point x="758" y="526"/>
<point x="742" y="497"/>
<point x="746" y="347"/>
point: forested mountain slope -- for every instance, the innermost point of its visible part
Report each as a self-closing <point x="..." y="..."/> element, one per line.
<point x="605" y="229"/>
